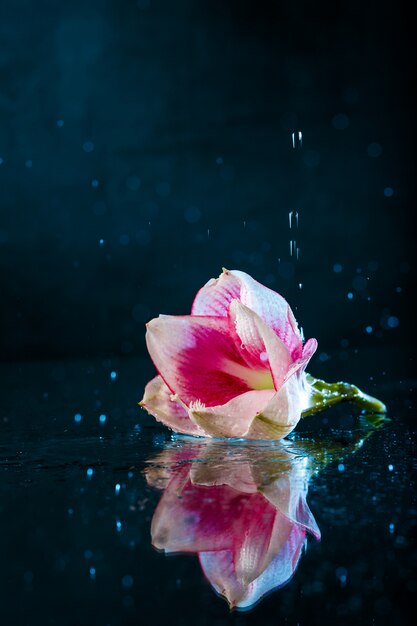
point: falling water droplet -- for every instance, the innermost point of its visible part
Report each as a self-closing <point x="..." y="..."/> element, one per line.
<point x="244" y="224"/>
<point x="298" y="253"/>
<point x="208" y="233"/>
<point x="297" y="139"/>
<point x="300" y="285"/>
<point x="290" y="214"/>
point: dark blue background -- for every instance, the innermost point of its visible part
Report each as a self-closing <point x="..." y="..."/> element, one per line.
<point x="183" y="112"/>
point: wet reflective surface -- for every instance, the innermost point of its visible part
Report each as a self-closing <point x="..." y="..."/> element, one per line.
<point x="89" y="482"/>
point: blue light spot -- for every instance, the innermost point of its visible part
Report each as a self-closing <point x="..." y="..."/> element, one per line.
<point x="341" y="467"/>
<point x="388" y="192"/>
<point x="133" y="183"/>
<point x="94" y="183"/>
<point x="101" y="242"/>
<point x="390" y="467"/>
<point x="130" y="474"/>
<point x="92" y="572"/>
<point x="78" y="417"/>
<point x="29" y="163"/>
<point x="350" y="296"/>
<point x="117" y="489"/>
<point x="391" y="527"/>
<point x="113" y="375"/>
<point x="337" y="268"/>
<point x="90" y="472"/>
<point x="118" y="525"/>
<point x="374" y="150"/>
<point x="127" y="581"/>
<point x="88" y="146"/>
<point x="60" y="123"/>
<point x="192" y="215"/>
<point x="103" y="418"/>
<point x="393" y="321"/>
<point x="340" y="121"/>
<point x="369" y="329"/>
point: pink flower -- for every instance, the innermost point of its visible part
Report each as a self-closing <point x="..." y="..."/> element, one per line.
<point x="242" y="510"/>
<point x="234" y="367"/>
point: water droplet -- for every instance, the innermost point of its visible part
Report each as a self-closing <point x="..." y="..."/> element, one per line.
<point x="127" y="581"/>
<point x="113" y="375"/>
<point x="117" y="489"/>
<point x="264" y="357"/>
<point x="388" y="192"/>
<point x="374" y="150"/>
<point x="94" y="183"/>
<point x="369" y="329"/>
<point x="390" y="467"/>
<point x="300" y="285"/>
<point x="341" y="467"/>
<point x="208" y="233"/>
<point x="92" y="572"/>
<point x="90" y="472"/>
<point x="101" y="242"/>
<point x="118" y="526"/>
<point x="77" y="418"/>
<point x="103" y="418"/>
<point x="350" y="296"/>
<point x="297" y="139"/>
<point x="340" y="121"/>
<point x="393" y="321"/>
<point x="337" y="268"/>
<point x="391" y="528"/>
<point x="88" y="146"/>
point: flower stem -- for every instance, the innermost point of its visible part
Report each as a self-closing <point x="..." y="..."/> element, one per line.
<point x="324" y="395"/>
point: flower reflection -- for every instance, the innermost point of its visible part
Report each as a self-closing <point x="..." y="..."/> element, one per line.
<point x="241" y="508"/>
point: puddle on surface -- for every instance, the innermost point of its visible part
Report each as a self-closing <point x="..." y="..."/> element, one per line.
<point x="82" y="501"/>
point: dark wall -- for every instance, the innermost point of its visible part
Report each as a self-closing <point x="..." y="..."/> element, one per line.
<point x="164" y="129"/>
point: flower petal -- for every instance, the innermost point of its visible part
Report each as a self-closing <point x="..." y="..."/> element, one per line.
<point x="199" y="359"/>
<point x="219" y="568"/>
<point x="261" y="345"/>
<point x="215" y="297"/>
<point x="157" y="400"/>
<point x="282" y="413"/>
<point x="232" y="419"/>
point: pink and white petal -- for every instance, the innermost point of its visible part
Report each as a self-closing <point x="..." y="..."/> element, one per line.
<point x="215" y="297"/>
<point x="233" y="418"/>
<point x="300" y="364"/>
<point x="219" y="568"/>
<point x="279" y="571"/>
<point x="191" y="518"/>
<point x="282" y="413"/>
<point x="157" y="400"/>
<point x="259" y="344"/>
<point x="288" y="495"/>
<point x="197" y="358"/>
